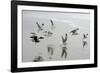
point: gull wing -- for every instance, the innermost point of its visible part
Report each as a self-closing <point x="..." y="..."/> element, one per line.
<point x="52" y="23"/>
<point x="38" y="26"/>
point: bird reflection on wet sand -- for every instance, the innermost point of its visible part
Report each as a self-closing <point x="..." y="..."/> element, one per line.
<point x="50" y="50"/>
<point x="38" y="59"/>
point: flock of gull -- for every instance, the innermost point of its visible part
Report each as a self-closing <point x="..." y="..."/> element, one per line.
<point x="37" y="39"/>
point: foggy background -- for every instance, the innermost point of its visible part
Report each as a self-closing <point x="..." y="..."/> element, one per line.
<point x="64" y="23"/>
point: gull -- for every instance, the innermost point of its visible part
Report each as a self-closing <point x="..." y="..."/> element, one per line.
<point x="64" y="39"/>
<point x="52" y="24"/>
<point x="85" y="36"/>
<point x="34" y="38"/>
<point x="74" y="32"/>
<point x="39" y="27"/>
